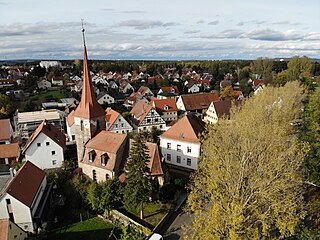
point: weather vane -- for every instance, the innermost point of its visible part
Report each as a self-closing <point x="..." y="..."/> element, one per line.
<point x="82" y="30"/>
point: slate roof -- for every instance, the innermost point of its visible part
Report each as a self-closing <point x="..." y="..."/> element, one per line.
<point x="186" y="129"/>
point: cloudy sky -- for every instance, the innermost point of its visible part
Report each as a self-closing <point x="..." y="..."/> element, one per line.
<point x="159" y="29"/>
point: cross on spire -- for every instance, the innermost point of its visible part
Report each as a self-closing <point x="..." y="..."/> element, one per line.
<point x="82" y="30"/>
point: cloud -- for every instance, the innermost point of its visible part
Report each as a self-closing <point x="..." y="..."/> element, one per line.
<point x="240" y="23"/>
<point x="146" y="24"/>
<point x="216" y="22"/>
<point x="230" y="33"/>
<point x="273" y="35"/>
<point x="133" y="11"/>
<point x="108" y="9"/>
<point x="191" y="31"/>
<point x="200" y="22"/>
<point x="286" y="23"/>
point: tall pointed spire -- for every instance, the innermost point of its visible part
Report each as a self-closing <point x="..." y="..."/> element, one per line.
<point x="88" y="107"/>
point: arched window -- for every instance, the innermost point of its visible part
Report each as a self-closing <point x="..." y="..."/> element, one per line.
<point x="92" y="155"/>
<point x="104" y="159"/>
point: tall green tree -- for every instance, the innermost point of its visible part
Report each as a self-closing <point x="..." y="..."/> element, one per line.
<point x="299" y="67"/>
<point x="111" y="195"/>
<point x="249" y="183"/>
<point x="6" y="106"/>
<point x="138" y="188"/>
<point x="263" y="67"/>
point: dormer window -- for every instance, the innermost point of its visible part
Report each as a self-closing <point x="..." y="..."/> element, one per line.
<point x="92" y="155"/>
<point x="166" y="107"/>
<point x="104" y="159"/>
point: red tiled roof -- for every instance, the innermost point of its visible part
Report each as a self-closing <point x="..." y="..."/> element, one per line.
<point x="187" y="129"/>
<point x="4" y="129"/>
<point x="70" y="118"/>
<point x="164" y="105"/>
<point x="4" y="229"/>
<point x="257" y="82"/>
<point x="154" y="163"/>
<point x="199" y="101"/>
<point x="9" y="150"/>
<point x="143" y="90"/>
<point x="88" y="107"/>
<point x="222" y="108"/>
<point x="170" y="89"/>
<point x="140" y="111"/>
<point x="51" y="131"/>
<point x="111" y="116"/>
<point x="24" y="187"/>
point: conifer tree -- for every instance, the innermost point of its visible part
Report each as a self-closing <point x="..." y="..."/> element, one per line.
<point x="138" y="188"/>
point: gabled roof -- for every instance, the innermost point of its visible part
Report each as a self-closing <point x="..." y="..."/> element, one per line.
<point x="170" y="89"/>
<point x="198" y="101"/>
<point x="105" y="141"/>
<point x="140" y="108"/>
<point x="186" y="129"/>
<point x="154" y="163"/>
<point x="164" y="105"/>
<point x="9" y="150"/>
<point x="26" y="183"/>
<point x="88" y="107"/>
<point x="5" y="127"/>
<point x="51" y="131"/>
<point x="257" y="82"/>
<point x="222" y="108"/>
<point x="111" y="116"/>
<point x="143" y="90"/>
<point x="70" y="118"/>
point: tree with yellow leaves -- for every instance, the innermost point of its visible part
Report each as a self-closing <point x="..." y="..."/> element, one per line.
<point x="249" y="183"/>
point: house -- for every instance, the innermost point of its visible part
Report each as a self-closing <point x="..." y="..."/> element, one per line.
<point x="6" y="131"/>
<point x="26" y="122"/>
<point x="168" y="92"/>
<point x="133" y="99"/>
<point x="145" y="92"/>
<point x="216" y="110"/>
<point x="167" y="108"/>
<point x="26" y="197"/>
<point x="145" y="116"/>
<point x="104" y="155"/>
<point x="125" y="86"/>
<point x="257" y="85"/>
<point x="44" y="84"/>
<point x="180" y="145"/>
<point x="193" y="87"/>
<point x="71" y="131"/>
<point x="113" y="85"/>
<point x="9" y="153"/>
<point x="46" y="146"/>
<point x="155" y="173"/>
<point x="10" y="231"/>
<point x="197" y="103"/>
<point x="58" y="81"/>
<point x="115" y="122"/>
<point x="105" y="98"/>
<point x="237" y="95"/>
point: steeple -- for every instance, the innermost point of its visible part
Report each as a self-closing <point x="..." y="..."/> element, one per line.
<point x="89" y="107"/>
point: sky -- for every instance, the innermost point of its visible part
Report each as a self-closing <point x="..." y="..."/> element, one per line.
<point x="159" y="29"/>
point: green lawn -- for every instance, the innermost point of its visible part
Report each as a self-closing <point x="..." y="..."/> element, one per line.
<point x="153" y="212"/>
<point x="93" y="228"/>
<point x="56" y="94"/>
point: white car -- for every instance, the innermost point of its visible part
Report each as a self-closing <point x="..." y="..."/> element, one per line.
<point x="156" y="236"/>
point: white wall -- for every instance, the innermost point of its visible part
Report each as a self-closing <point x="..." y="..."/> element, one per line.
<point x="120" y="125"/>
<point x="39" y="194"/>
<point x="21" y="213"/>
<point x="71" y="131"/>
<point x="194" y="155"/>
<point x="180" y="104"/>
<point x="42" y="156"/>
<point x="100" y="172"/>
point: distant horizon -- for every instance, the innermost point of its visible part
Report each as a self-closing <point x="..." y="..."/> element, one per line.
<point x="159" y="30"/>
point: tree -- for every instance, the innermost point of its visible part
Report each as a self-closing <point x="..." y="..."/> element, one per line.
<point x="263" y="67"/>
<point x="226" y="93"/>
<point x="138" y="187"/>
<point x="249" y="184"/>
<point x="94" y="195"/>
<point x="111" y="195"/>
<point x="6" y="106"/>
<point x="299" y="67"/>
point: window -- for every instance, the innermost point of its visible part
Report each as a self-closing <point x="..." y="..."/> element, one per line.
<point x="81" y="125"/>
<point x="188" y="149"/>
<point x="47" y="143"/>
<point x="8" y="201"/>
<point x="122" y="124"/>
<point x="107" y="177"/>
<point x="91" y="156"/>
<point x="168" y="145"/>
<point x="189" y="161"/>
<point x="54" y="162"/>
<point x="168" y="157"/>
<point x="148" y="120"/>
<point x="160" y="126"/>
<point x="103" y="160"/>
<point x="73" y="137"/>
<point x="94" y="175"/>
<point x="178" y="159"/>
<point x="178" y="147"/>
<point x="53" y="152"/>
<point x="38" y="144"/>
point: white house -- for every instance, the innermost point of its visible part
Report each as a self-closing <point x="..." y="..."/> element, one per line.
<point x="45" y="147"/>
<point x="217" y="110"/>
<point x="113" y="85"/>
<point x="180" y="145"/>
<point x="167" y="108"/>
<point x="105" y="98"/>
<point x="125" y="86"/>
<point x="71" y="128"/>
<point x="193" y="88"/>
<point x="145" y="116"/>
<point x="44" y="84"/>
<point x="115" y="122"/>
<point x="23" y="200"/>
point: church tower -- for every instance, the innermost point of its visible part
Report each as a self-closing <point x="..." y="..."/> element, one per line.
<point x="89" y="116"/>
